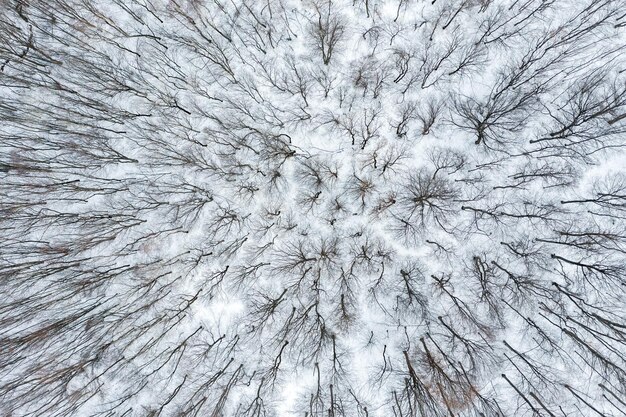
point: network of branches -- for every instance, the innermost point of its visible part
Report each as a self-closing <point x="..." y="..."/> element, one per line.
<point x="337" y="208"/>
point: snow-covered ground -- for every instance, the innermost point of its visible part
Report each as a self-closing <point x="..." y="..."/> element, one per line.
<point x="312" y="208"/>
